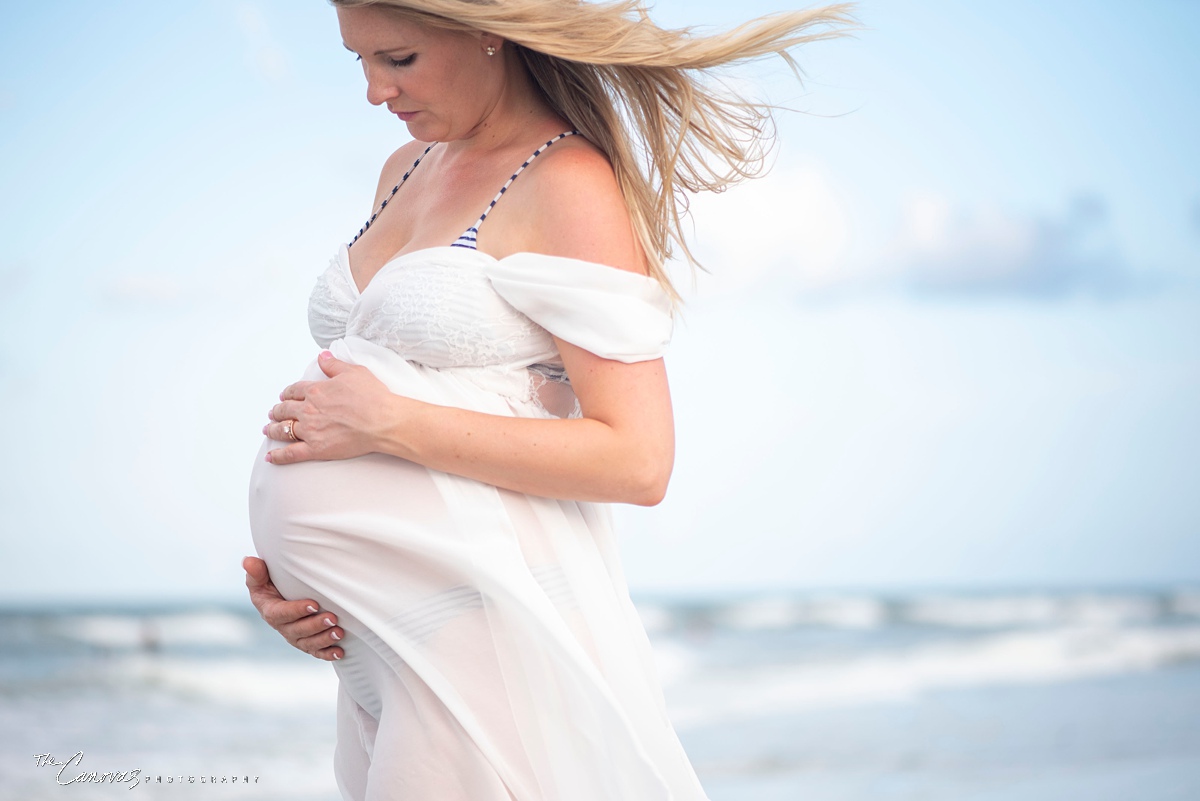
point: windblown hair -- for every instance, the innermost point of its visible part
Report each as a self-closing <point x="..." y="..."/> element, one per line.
<point x="645" y="95"/>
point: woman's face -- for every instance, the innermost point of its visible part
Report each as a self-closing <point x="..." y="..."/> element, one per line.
<point x="442" y="84"/>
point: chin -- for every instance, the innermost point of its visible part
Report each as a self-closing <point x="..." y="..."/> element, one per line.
<point x="418" y="131"/>
<point x="424" y="132"/>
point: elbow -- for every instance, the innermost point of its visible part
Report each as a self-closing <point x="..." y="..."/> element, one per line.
<point x="652" y="496"/>
<point x="651" y="487"/>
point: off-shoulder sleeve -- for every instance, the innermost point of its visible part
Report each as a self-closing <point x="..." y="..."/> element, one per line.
<point x="613" y="313"/>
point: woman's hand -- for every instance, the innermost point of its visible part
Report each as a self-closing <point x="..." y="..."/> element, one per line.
<point x="339" y="418"/>
<point x="301" y="623"/>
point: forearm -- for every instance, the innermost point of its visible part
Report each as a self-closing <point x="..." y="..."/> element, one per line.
<point x="621" y="449"/>
<point x="577" y="459"/>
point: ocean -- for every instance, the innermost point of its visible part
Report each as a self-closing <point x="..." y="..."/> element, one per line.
<point x="1034" y="695"/>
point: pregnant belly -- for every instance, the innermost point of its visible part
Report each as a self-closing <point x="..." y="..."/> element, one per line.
<point x="339" y="530"/>
<point x="373" y="540"/>
<point x="385" y="542"/>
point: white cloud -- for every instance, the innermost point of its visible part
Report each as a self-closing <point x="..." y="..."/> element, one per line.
<point x="993" y="251"/>
<point x="793" y="232"/>
<point x="790" y="227"/>
<point x="262" y="48"/>
<point x="146" y="289"/>
<point x="14" y="277"/>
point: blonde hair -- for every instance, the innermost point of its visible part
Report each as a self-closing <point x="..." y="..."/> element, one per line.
<point x="643" y="94"/>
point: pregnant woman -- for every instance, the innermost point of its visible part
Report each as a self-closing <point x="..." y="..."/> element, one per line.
<point x="438" y="482"/>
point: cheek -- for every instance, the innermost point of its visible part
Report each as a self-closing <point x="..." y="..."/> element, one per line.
<point x="472" y="91"/>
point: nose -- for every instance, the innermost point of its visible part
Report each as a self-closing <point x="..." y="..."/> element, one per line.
<point x="379" y="89"/>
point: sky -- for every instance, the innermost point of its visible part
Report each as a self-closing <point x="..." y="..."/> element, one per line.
<point x="950" y="340"/>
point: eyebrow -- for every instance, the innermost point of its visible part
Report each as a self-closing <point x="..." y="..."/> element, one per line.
<point x="379" y="52"/>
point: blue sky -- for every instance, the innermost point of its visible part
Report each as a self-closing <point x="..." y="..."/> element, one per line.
<point x="953" y="339"/>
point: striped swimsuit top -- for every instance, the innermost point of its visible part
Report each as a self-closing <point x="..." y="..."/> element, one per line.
<point x="468" y="237"/>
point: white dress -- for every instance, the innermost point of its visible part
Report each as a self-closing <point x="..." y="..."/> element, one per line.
<point x="492" y="650"/>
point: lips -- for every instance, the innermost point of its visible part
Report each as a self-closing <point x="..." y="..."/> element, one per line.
<point x="405" y="115"/>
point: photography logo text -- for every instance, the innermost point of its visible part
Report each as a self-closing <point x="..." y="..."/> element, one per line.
<point x="71" y="771"/>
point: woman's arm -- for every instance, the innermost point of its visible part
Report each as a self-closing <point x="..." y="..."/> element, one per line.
<point x="622" y="449"/>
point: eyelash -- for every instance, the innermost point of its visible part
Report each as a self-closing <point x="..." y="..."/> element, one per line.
<point x="404" y="62"/>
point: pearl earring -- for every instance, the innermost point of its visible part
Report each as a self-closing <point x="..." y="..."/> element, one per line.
<point x="491" y="51"/>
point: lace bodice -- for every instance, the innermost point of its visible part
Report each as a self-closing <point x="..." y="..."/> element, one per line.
<point x="449" y="307"/>
<point x="436" y="307"/>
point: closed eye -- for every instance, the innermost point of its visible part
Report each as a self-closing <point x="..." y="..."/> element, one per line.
<point x="404" y="62"/>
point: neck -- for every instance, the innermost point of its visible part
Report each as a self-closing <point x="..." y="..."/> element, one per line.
<point x="518" y="106"/>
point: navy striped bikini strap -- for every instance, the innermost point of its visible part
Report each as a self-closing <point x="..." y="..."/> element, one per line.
<point x="387" y="199"/>
<point x="467" y="240"/>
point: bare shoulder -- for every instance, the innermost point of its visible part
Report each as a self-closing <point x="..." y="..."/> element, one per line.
<point x="396" y="165"/>
<point x="575" y="208"/>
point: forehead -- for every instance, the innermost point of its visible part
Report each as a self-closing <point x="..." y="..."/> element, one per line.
<point x="368" y="29"/>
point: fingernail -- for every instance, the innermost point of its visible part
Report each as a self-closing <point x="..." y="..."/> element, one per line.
<point x="325" y="354"/>
<point x="268" y="458"/>
<point x="312" y="610"/>
<point x="265" y="428"/>
<point x="328" y="622"/>
<point x="335" y="635"/>
<point x="335" y="656"/>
